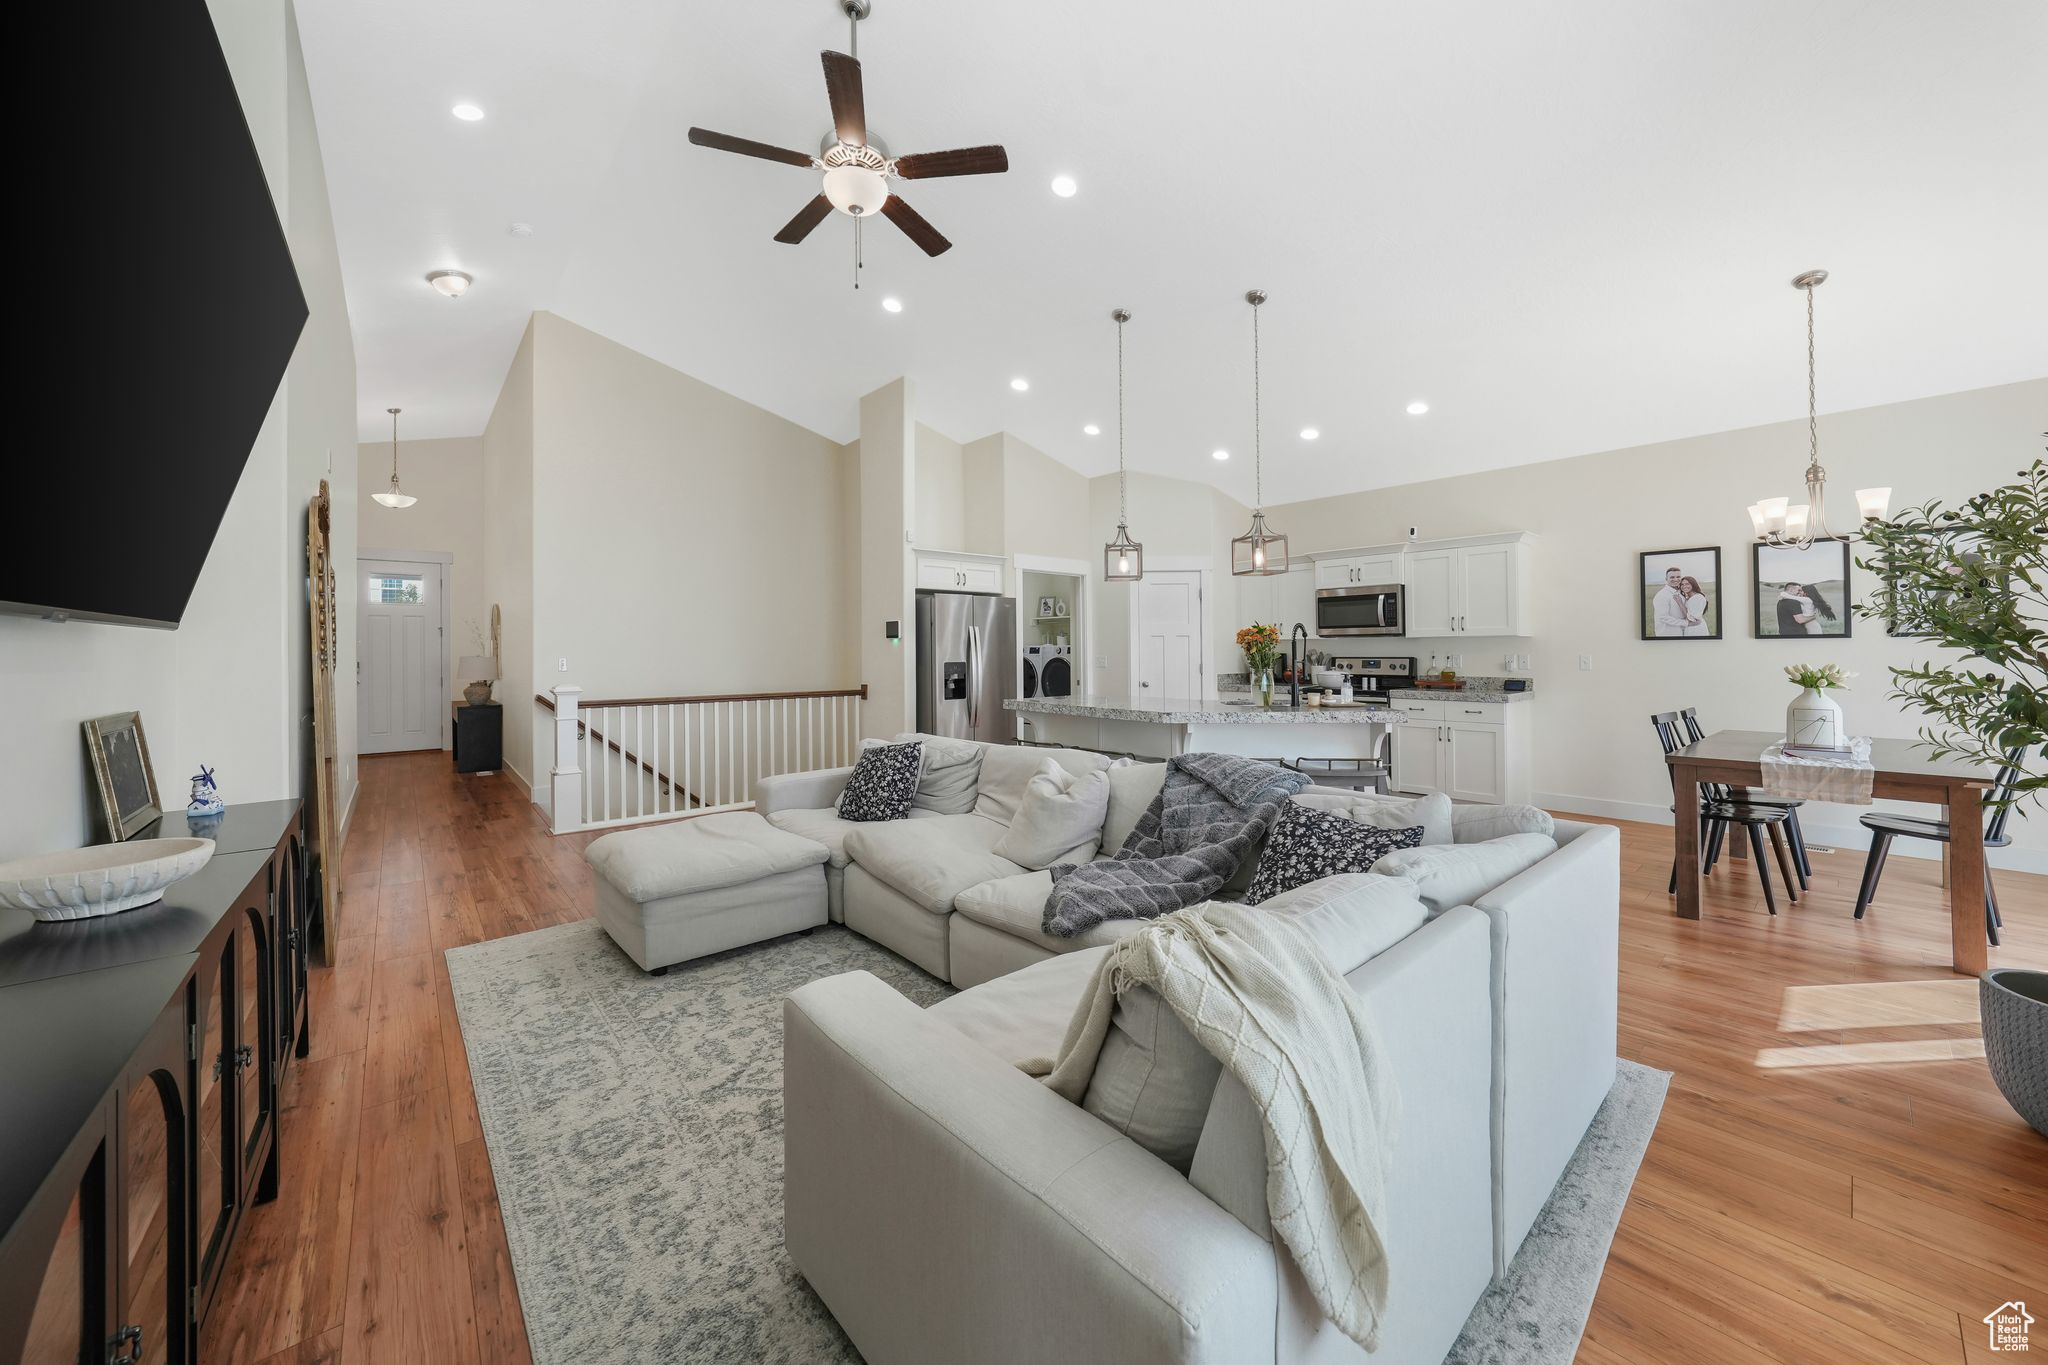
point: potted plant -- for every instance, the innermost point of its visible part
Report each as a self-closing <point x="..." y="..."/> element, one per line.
<point x="1814" y="718"/>
<point x="1261" y="646"/>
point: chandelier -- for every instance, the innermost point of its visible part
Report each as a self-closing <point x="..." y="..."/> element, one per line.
<point x="1123" y="559"/>
<point x="1259" y="551"/>
<point x="1775" y="520"/>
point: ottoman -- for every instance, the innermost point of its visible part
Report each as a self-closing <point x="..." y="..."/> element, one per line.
<point x="669" y="893"/>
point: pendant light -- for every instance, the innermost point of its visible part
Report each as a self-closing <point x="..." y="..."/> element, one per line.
<point x="1775" y="520"/>
<point x="1259" y="551"/>
<point x="1123" y="559"/>
<point x="396" y="497"/>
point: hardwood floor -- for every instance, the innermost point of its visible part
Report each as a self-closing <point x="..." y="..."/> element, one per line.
<point x="1834" y="1177"/>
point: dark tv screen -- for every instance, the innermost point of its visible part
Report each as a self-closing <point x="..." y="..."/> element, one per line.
<point x="170" y="306"/>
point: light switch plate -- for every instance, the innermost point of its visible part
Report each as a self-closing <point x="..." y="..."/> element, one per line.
<point x="561" y="665"/>
<point x="1585" y="663"/>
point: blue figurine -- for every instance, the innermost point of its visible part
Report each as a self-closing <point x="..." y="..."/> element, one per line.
<point x="206" y="803"/>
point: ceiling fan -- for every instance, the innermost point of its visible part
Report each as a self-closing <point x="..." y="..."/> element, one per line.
<point x="857" y="168"/>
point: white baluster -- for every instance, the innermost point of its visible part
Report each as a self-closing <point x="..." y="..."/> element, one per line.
<point x="566" y="777"/>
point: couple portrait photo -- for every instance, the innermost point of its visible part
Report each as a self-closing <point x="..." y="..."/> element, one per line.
<point x="1681" y="594"/>
<point x="1802" y="593"/>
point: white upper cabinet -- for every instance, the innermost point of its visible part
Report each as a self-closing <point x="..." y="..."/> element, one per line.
<point x="1471" y="589"/>
<point x="1359" y="571"/>
<point x="960" y="572"/>
<point x="1432" y="592"/>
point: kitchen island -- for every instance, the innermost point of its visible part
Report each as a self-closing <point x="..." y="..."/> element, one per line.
<point x="1160" y="727"/>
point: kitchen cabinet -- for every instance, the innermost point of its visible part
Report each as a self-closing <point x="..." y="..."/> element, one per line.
<point x="960" y="572"/>
<point x="1469" y="751"/>
<point x="1359" y="571"/>
<point x="1473" y="588"/>
<point x="1279" y="599"/>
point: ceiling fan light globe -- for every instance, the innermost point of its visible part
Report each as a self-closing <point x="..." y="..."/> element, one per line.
<point x="856" y="191"/>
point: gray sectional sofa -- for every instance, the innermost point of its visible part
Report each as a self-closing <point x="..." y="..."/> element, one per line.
<point x="948" y="1207"/>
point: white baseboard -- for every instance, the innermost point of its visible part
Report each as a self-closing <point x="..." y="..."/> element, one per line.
<point x="1851" y="838"/>
<point x="348" y="812"/>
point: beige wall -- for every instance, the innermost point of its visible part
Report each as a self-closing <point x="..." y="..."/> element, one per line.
<point x="229" y="687"/>
<point x="447" y="476"/>
<point x="1182" y="525"/>
<point x="939" y="523"/>
<point x="508" y="563"/>
<point x="1594" y="748"/>
<point x="888" y="503"/>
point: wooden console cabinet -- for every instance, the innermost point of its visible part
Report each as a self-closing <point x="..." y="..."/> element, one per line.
<point x="140" y="1057"/>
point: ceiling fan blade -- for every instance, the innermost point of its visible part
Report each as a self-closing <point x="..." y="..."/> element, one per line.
<point x="849" y="108"/>
<point x="959" y="161"/>
<point x="726" y="142"/>
<point x="807" y="217"/>
<point x="914" y="226"/>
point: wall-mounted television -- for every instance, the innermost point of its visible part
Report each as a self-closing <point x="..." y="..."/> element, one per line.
<point x="162" y="309"/>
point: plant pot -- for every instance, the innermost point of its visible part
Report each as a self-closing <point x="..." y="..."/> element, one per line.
<point x="2013" y="1005"/>
<point x="1814" y="718"/>
<point x="477" y="693"/>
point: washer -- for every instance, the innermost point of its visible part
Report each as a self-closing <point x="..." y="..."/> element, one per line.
<point x="1048" y="671"/>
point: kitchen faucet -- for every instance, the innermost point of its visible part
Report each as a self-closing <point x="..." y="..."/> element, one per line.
<point x="1295" y="661"/>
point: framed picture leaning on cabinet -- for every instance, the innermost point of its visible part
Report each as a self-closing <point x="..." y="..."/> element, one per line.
<point x="1679" y="593"/>
<point x="119" y="752"/>
<point x="1798" y="594"/>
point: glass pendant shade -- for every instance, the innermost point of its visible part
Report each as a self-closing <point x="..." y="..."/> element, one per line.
<point x="1123" y="559"/>
<point x="397" y="497"/>
<point x="1258" y="551"/>
<point x="394" y="498"/>
<point x="1873" y="503"/>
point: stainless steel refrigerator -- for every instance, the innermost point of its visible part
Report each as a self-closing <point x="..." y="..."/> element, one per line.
<point x="966" y="666"/>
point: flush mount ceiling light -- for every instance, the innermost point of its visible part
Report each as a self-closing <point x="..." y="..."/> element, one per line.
<point x="1259" y="551"/>
<point x="1091" y="430"/>
<point x="1020" y="385"/>
<point x="1064" y="186"/>
<point x="1775" y="520"/>
<point x="1219" y="454"/>
<point x="1309" y="433"/>
<point x="396" y="497"/>
<point x="453" y="283"/>
<point x="892" y="304"/>
<point x="1417" y="408"/>
<point x="468" y="113"/>
<point x="1123" y="559"/>
<point x="521" y="229"/>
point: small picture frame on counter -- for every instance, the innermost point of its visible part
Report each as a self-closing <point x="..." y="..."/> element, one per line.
<point x="119" y="753"/>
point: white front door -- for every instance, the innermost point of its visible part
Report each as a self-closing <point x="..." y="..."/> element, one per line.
<point x="400" y="694"/>
<point x="1167" y="659"/>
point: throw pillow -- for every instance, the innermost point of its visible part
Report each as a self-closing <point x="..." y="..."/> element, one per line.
<point x="1461" y="874"/>
<point x="952" y="767"/>
<point x="1353" y="917"/>
<point x="1153" y="1081"/>
<point x="1006" y="768"/>
<point x="1308" y="844"/>
<point x="1059" y="812"/>
<point x="1433" y="812"/>
<point x="1132" y="788"/>
<point x="883" y="783"/>
<point x="1477" y="824"/>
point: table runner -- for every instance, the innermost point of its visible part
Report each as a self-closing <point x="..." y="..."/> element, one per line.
<point x="1846" y="779"/>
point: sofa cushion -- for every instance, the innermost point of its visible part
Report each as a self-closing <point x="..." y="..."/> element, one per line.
<point x="703" y="854"/>
<point x="1061" y="811"/>
<point x="1353" y="917"/>
<point x="1023" y="1015"/>
<point x="946" y="782"/>
<point x="1005" y="768"/>
<point x="883" y="784"/>
<point x="1132" y="789"/>
<point x="1432" y="812"/>
<point x="1308" y="844"/>
<point x="1459" y="874"/>
<point x="1477" y="824"/>
<point x="821" y="826"/>
<point x="932" y="861"/>
<point x="1016" y="905"/>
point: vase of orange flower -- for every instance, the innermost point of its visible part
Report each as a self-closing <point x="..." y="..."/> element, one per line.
<point x="1261" y="646"/>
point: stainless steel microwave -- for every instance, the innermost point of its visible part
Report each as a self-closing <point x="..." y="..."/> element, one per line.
<point x="1376" y="610"/>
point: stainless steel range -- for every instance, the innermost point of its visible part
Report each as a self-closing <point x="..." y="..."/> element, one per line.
<point x="1375" y="675"/>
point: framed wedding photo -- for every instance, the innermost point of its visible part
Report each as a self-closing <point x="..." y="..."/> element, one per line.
<point x="1680" y="593"/>
<point x="1799" y="594"/>
<point x="120" y="768"/>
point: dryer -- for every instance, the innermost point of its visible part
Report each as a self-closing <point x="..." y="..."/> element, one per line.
<point x="1048" y="670"/>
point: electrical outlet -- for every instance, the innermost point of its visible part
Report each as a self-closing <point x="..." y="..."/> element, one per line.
<point x="561" y="665"/>
<point x="1455" y="662"/>
<point x="1508" y="664"/>
<point x="1585" y="663"/>
<point x="1102" y="661"/>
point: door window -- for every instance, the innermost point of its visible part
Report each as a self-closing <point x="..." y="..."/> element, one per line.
<point x="387" y="589"/>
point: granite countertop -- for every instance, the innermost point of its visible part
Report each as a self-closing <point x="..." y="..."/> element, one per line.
<point x="1192" y="711"/>
<point x="1473" y="691"/>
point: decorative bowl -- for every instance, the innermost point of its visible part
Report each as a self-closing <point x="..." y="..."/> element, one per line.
<point x="80" y="883"/>
<point x="2014" y="1006"/>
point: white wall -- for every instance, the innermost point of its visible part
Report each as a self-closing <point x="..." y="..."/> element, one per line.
<point x="1181" y="525"/>
<point x="508" y="560"/>
<point x="447" y="476"/>
<point x="940" y="522"/>
<point x="229" y="687"/>
<point x="888" y="499"/>
<point x="1594" y="749"/>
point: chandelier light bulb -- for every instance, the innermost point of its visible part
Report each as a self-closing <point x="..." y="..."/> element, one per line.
<point x="1874" y="503"/>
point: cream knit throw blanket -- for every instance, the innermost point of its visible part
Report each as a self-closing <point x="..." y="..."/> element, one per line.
<point x="1258" y="993"/>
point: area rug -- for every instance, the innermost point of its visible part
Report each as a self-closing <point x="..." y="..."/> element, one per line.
<point x="634" y="1125"/>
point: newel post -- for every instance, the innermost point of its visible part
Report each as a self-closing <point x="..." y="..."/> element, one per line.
<point x="566" y="779"/>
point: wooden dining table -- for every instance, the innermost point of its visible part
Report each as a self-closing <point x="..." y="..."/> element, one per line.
<point x="1905" y="772"/>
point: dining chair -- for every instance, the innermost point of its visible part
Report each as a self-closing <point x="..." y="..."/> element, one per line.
<point x="1757" y="796"/>
<point x="1885" y="827"/>
<point x="1719" y="810"/>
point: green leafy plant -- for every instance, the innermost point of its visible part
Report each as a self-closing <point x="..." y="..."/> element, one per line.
<point x="1820" y="676"/>
<point x="1972" y="578"/>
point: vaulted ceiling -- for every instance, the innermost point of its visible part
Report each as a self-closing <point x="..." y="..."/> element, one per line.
<point x="1565" y="227"/>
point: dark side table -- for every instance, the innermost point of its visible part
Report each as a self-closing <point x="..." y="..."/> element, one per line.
<point x="479" y="737"/>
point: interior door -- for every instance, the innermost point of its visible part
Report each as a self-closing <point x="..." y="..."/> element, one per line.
<point x="402" y="696"/>
<point x="1488" y="573"/>
<point x="1167" y="658"/>
<point x="1432" y="592"/>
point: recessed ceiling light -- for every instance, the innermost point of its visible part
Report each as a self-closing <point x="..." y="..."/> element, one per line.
<point x="521" y="229"/>
<point x="1020" y="385"/>
<point x="892" y="304"/>
<point x="1309" y="433"/>
<point x="1091" y="430"/>
<point x="449" y="282"/>
<point x="1417" y="408"/>
<point x="1219" y="454"/>
<point x="1064" y="186"/>
<point x="468" y="113"/>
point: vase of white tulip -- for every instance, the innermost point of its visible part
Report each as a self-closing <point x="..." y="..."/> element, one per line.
<point x="1814" y="717"/>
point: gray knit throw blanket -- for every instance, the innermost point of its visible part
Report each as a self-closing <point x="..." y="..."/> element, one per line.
<point x="1209" y="815"/>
